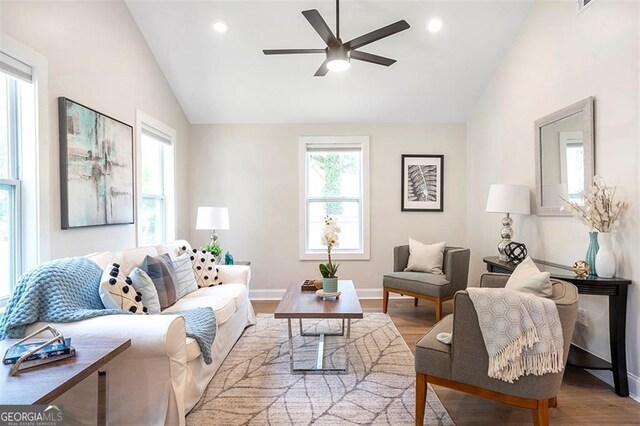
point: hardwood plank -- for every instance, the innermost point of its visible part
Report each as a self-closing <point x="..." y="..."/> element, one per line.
<point x="583" y="399"/>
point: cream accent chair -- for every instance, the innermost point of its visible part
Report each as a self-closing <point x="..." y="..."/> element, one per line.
<point x="463" y="365"/>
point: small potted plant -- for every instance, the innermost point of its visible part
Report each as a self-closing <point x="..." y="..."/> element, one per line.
<point x="329" y="270"/>
<point x="215" y="250"/>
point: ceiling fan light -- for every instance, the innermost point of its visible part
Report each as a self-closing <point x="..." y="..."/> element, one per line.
<point x="338" y="65"/>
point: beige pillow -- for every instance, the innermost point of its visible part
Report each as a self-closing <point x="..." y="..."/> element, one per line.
<point x="425" y="257"/>
<point x="527" y="278"/>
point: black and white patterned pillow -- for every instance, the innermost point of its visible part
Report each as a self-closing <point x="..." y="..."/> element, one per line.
<point x="204" y="267"/>
<point x="117" y="292"/>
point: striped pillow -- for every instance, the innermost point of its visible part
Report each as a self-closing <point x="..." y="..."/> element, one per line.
<point x="185" y="281"/>
<point x="161" y="271"/>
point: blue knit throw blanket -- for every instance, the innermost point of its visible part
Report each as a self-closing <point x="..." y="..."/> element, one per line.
<point x="66" y="290"/>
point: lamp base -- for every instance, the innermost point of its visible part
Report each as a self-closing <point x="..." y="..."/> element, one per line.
<point x="506" y="234"/>
<point x="213" y="236"/>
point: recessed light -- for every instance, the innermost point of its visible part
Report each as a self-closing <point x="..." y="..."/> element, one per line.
<point x="434" y="25"/>
<point x="220" y="25"/>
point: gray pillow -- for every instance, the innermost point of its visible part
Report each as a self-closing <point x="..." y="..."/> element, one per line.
<point x="144" y="285"/>
<point x="185" y="280"/>
<point x="161" y="271"/>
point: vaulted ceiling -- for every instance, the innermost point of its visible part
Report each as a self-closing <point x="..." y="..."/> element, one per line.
<point x="225" y="78"/>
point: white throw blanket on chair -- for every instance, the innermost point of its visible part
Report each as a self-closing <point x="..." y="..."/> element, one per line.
<point x="522" y="332"/>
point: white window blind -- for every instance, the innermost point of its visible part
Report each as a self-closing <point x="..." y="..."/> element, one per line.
<point x="15" y="67"/>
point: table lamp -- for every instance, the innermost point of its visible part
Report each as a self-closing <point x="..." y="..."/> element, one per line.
<point x="212" y="218"/>
<point x="508" y="199"/>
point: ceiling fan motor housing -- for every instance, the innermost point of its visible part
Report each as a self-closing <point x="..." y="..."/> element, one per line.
<point x="337" y="53"/>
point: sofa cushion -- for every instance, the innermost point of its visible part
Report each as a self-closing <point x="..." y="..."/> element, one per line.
<point x="117" y="292"/>
<point x="222" y="299"/>
<point x="160" y="269"/>
<point x="144" y="284"/>
<point x="432" y="356"/>
<point x="185" y="281"/>
<point x="418" y="282"/>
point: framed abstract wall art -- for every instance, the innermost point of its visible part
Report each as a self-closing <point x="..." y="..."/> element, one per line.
<point x="422" y="183"/>
<point x="96" y="167"/>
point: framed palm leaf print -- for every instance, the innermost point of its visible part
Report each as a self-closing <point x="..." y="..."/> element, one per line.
<point x="422" y="183"/>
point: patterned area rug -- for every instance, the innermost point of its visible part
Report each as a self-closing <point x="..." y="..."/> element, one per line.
<point x="255" y="387"/>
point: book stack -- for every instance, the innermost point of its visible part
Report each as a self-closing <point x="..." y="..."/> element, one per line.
<point x="52" y="352"/>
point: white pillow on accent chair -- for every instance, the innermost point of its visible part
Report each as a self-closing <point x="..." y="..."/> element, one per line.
<point x="425" y="257"/>
<point x="527" y="278"/>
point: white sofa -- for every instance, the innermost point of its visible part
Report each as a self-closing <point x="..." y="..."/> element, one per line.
<point x="161" y="376"/>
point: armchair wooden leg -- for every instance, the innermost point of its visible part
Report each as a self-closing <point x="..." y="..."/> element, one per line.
<point x="553" y="402"/>
<point x="541" y="414"/>
<point x="385" y="300"/>
<point x="421" y="398"/>
<point x="415" y="301"/>
<point x="438" y="309"/>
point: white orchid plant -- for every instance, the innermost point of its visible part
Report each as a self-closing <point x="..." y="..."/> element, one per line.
<point x="600" y="210"/>
<point x="330" y="240"/>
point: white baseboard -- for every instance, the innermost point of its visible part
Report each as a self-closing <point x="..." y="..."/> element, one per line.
<point x="607" y="377"/>
<point x="276" y="294"/>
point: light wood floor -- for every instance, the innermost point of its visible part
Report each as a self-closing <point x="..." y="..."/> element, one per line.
<point x="583" y="399"/>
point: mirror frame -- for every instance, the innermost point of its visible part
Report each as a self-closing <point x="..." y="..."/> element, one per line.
<point x="586" y="107"/>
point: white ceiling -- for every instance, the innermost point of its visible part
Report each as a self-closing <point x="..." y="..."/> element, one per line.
<point x="225" y="78"/>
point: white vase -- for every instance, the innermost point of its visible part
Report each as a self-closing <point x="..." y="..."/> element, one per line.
<point x="605" y="259"/>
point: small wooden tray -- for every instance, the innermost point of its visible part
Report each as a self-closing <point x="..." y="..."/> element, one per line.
<point x="311" y="285"/>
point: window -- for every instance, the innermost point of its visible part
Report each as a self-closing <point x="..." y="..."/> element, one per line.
<point x="10" y="202"/>
<point x="335" y="182"/>
<point x="156" y="211"/>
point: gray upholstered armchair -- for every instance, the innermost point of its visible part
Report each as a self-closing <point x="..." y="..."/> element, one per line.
<point x="463" y="365"/>
<point x="421" y="285"/>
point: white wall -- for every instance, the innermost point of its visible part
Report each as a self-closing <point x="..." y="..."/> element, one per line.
<point x="253" y="170"/>
<point x="560" y="58"/>
<point x="97" y="57"/>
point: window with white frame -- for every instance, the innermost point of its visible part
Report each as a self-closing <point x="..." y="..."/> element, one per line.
<point x="156" y="218"/>
<point x="15" y="110"/>
<point x="334" y="181"/>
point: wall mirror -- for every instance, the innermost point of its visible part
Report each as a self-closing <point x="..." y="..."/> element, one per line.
<point x="564" y="157"/>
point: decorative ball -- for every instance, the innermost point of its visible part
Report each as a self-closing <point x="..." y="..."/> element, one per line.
<point x="581" y="268"/>
<point x="516" y="252"/>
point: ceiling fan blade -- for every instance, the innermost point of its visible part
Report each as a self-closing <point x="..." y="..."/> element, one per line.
<point x="369" y="57"/>
<point x="321" y="27"/>
<point x="378" y="34"/>
<point x="291" y="51"/>
<point x="322" y="71"/>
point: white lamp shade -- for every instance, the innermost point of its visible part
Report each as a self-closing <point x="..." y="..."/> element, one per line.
<point x="505" y="198"/>
<point x="212" y="218"/>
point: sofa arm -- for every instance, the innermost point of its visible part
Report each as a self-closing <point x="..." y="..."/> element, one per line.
<point x="494" y="280"/>
<point x="237" y="274"/>
<point x="152" y="336"/>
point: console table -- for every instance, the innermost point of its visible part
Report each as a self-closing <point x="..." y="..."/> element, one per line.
<point x="616" y="290"/>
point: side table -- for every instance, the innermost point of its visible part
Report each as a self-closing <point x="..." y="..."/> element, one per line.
<point x="43" y="384"/>
<point x="616" y="290"/>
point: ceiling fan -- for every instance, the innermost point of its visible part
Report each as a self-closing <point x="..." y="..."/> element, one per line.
<point x="339" y="54"/>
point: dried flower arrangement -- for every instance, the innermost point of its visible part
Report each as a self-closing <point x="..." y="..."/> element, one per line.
<point x="600" y="210"/>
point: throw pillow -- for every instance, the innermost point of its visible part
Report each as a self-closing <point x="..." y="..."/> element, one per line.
<point x="144" y="284"/>
<point x="204" y="267"/>
<point x="185" y="281"/>
<point x="161" y="271"/>
<point x="425" y="257"/>
<point x="527" y="278"/>
<point x="117" y="292"/>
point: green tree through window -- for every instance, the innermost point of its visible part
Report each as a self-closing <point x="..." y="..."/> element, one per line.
<point x="333" y="166"/>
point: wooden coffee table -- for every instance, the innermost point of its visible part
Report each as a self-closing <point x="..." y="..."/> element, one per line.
<point x="297" y="304"/>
